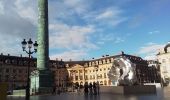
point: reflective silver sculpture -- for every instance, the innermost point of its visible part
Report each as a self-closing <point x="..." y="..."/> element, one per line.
<point x="123" y="71"/>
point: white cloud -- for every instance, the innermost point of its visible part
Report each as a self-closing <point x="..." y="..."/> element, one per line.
<point x="1" y="8"/>
<point x="79" y="6"/>
<point x="111" y="16"/>
<point x="154" y="32"/>
<point x="105" y="15"/>
<point x="67" y="55"/>
<point x="150" y="57"/>
<point x="118" y="40"/>
<point x="150" y="50"/>
<point x="27" y="10"/>
<point x="71" y="37"/>
<point x="14" y="27"/>
<point x="19" y="20"/>
<point x="103" y="38"/>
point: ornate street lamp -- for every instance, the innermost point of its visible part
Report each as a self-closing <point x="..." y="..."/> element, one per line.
<point x="29" y="52"/>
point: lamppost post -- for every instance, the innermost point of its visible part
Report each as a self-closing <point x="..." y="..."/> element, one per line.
<point x="29" y="52"/>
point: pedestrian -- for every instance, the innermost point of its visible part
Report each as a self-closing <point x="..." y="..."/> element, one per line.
<point x="54" y="89"/>
<point x="58" y="91"/>
<point x="86" y="88"/>
<point x="91" y="88"/>
<point x="94" y="88"/>
<point x="97" y="87"/>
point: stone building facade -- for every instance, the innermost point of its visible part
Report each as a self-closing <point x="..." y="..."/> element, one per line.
<point x="164" y="61"/>
<point x="13" y="70"/>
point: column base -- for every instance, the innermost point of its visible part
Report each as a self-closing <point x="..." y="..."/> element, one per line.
<point x="42" y="82"/>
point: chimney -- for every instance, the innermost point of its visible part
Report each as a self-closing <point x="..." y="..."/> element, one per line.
<point x="70" y="59"/>
<point x="8" y="54"/>
<point x="1" y="53"/>
<point x="61" y="59"/>
<point x="20" y="55"/>
<point x="122" y="52"/>
<point x="107" y="55"/>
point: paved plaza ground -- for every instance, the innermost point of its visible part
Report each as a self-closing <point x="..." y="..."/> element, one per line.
<point x="75" y="96"/>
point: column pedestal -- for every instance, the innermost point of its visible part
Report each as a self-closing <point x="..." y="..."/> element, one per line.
<point x="41" y="82"/>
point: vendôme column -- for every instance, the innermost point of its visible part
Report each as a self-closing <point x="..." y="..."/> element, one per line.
<point x="42" y="78"/>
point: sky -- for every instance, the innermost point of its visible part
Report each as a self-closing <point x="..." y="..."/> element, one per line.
<point x="86" y="29"/>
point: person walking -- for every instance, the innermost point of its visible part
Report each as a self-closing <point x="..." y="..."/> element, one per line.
<point x="86" y="88"/>
<point x="97" y="88"/>
<point x="94" y="88"/>
<point x="91" y="88"/>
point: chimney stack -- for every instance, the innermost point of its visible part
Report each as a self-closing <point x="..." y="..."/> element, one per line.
<point x="122" y="52"/>
<point x="107" y="55"/>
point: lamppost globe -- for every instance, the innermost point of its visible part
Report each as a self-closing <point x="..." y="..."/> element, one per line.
<point x="24" y="43"/>
<point x="35" y="46"/>
<point x="30" y="43"/>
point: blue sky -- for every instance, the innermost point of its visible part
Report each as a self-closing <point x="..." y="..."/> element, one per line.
<point x="83" y="29"/>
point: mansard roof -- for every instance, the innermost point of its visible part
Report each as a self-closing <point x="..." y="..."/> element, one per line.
<point x="71" y="63"/>
<point x="132" y="58"/>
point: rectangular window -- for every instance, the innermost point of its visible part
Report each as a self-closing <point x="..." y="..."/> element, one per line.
<point x="7" y="70"/>
<point x="80" y="71"/>
<point x="14" y="70"/>
<point x="108" y="60"/>
<point x="81" y="77"/>
<point x="100" y="62"/>
<point x="89" y="63"/>
<point x="97" y="62"/>
<point x="93" y="76"/>
<point x="90" y="77"/>
<point x="76" y="77"/>
<point x="100" y="75"/>
<point x="163" y="61"/>
<point x="6" y="77"/>
<point x="104" y="61"/>
<point x="20" y="71"/>
<point x="104" y="75"/>
<point x="86" y="77"/>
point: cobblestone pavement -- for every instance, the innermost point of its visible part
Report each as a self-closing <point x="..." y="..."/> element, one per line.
<point x="75" y="96"/>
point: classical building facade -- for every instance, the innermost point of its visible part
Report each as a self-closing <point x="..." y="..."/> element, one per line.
<point x="13" y="70"/>
<point x="164" y="60"/>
